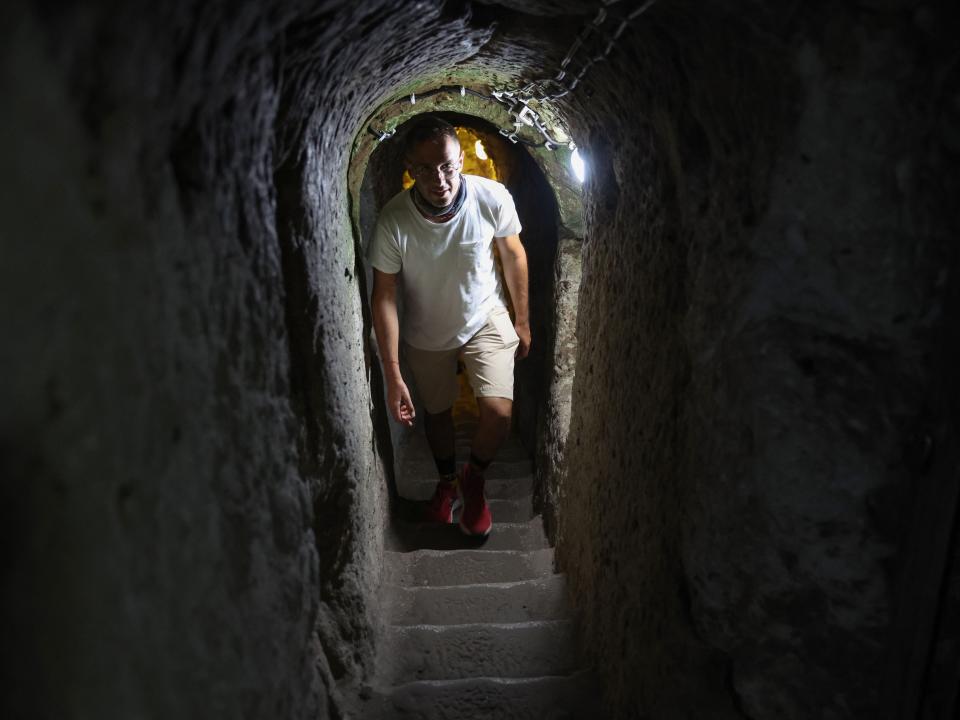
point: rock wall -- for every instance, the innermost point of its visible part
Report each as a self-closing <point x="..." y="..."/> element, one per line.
<point x="764" y="299"/>
<point x="165" y="562"/>
<point x="191" y="477"/>
<point x="553" y="423"/>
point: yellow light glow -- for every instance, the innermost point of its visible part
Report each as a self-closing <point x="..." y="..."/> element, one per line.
<point x="476" y="160"/>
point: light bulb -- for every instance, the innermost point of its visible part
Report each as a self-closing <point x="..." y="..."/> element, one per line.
<point x="481" y="153"/>
<point x="576" y="162"/>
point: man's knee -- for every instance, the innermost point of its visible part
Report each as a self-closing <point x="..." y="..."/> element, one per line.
<point x="496" y="410"/>
<point x="444" y="416"/>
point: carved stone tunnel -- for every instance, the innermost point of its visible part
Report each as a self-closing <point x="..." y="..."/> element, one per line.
<point x="742" y="418"/>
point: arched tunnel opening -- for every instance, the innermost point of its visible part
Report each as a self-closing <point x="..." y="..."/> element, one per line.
<point x="742" y="425"/>
<point x="538" y="209"/>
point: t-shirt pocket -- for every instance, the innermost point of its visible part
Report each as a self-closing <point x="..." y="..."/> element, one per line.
<point x="501" y="321"/>
<point x="473" y="256"/>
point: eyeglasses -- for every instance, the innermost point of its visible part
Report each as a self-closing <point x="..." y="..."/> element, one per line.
<point x="448" y="170"/>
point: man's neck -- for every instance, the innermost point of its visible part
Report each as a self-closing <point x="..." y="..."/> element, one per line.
<point x="439" y="214"/>
<point x="428" y="206"/>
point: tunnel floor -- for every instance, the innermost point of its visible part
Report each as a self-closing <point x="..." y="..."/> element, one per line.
<point x="476" y="627"/>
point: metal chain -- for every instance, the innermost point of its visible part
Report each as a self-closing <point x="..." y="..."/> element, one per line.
<point x="594" y="27"/>
<point x="517" y="102"/>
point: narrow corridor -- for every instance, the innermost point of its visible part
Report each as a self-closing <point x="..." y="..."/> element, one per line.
<point x="476" y="627"/>
<point x="741" y="405"/>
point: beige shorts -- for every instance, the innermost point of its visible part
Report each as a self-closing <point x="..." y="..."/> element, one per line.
<point x="487" y="357"/>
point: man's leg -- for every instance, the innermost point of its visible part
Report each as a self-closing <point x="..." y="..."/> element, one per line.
<point x="436" y="378"/>
<point x="476" y="518"/>
<point x="440" y="436"/>
<point x="488" y="358"/>
<point x="492" y="430"/>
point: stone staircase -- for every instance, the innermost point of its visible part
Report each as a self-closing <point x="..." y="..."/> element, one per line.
<point x="476" y="628"/>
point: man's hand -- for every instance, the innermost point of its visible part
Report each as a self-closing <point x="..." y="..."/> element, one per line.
<point x="523" y="332"/>
<point x="399" y="402"/>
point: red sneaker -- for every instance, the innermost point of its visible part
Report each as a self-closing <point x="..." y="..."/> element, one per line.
<point x="445" y="500"/>
<point x="475" y="518"/>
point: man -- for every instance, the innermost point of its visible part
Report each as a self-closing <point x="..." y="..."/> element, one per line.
<point x="438" y="238"/>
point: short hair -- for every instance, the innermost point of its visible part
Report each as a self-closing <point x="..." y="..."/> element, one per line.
<point x="428" y="128"/>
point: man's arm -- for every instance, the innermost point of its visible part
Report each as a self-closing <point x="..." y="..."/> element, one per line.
<point x="387" y="326"/>
<point x="514" y="259"/>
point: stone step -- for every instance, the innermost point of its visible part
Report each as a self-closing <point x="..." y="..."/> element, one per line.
<point x="463" y="438"/>
<point x="436" y="536"/>
<point x="538" y="599"/>
<point x="569" y="697"/>
<point x="500" y="488"/>
<point x="421" y="468"/>
<point x="462" y="567"/>
<point x="505" y="455"/>
<point x="517" y="510"/>
<point x="520" y="510"/>
<point x="447" y="652"/>
<point x="512" y="449"/>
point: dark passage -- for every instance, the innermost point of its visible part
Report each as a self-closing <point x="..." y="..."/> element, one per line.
<point x="738" y="435"/>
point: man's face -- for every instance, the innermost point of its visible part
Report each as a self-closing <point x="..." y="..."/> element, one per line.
<point x="435" y="165"/>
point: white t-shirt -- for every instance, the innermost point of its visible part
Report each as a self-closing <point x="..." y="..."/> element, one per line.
<point x="449" y="278"/>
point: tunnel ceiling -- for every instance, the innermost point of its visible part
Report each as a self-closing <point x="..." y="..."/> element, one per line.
<point x="539" y="7"/>
<point x="520" y="43"/>
<point x="555" y="164"/>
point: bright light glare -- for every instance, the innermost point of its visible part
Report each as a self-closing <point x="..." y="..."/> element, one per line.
<point x="481" y="153"/>
<point x="576" y="162"/>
